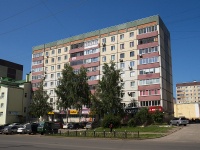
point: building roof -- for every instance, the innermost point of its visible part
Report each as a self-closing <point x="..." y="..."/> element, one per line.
<point x="10" y="82"/>
<point x="11" y="64"/>
<point x="188" y="83"/>
<point x="104" y="31"/>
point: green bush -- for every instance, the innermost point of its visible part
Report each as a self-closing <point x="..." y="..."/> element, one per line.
<point x="158" y="117"/>
<point x="132" y="123"/>
<point x="108" y="119"/>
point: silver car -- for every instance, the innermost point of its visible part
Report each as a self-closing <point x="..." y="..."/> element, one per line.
<point x="179" y="121"/>
<point x="10" y="130"/>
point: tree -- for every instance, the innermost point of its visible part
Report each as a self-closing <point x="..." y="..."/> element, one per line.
<point x="39" y="106"/>
<point x="158" y="116"/>
<point x="73" y="89"/>
<point x="109" y="90"/>
<point x="143" y="117"/>
<point x="65" y="89"/>
<point x="82" y="90"/>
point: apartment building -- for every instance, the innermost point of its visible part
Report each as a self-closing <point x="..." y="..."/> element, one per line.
<point x="188" y="92"/>
<point x="141" y="50"/>
<point x="11" y="70"/>
<point x="15" y="97"/>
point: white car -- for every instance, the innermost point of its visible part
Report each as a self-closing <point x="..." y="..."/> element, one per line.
<point x="21" y="130"/>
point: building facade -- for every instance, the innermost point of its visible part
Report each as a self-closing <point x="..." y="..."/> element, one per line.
<point x="141" y="50"/>
<point x="11" y="70"/>
<point x="15" y="97"/>
<point x="188" y="92"/>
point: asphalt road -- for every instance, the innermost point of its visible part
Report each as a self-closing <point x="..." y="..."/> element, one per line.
<point x="188" y="138"/>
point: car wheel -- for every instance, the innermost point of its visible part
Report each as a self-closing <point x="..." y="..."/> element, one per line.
<point x="185" y="124"/>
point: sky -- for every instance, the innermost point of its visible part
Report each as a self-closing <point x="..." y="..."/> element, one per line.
<point x="28" y="23"/>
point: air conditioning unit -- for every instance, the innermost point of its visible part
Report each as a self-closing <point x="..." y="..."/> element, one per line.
<point x="130" y="68"/>
<point x="103" y="44"/>
<point x="121" y="80"/>
<point x="121" y="60"/>
<point x="47" y="56"/>
<point x="140" y="55"/>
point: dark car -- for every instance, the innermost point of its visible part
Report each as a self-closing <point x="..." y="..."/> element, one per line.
<point x="32" y="129"/>
<point x="74" y="126"/>
<point x="1" y="129"/>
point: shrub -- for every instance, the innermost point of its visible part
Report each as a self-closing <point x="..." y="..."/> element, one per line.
<point x="108" y="119"/>
<point x="132" y="123"/>
<point x="158" y="117"/>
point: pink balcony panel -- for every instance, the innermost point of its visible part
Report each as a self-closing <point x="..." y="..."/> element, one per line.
<point x="37" y="73"/>
<point x="38" y="66"/>
<point x="147" y="45"/>
<point x="149" y="98"/>
<point x="94" y="82"/>
<point x="92" y="64"/>
<point x="145" y="66"/>
<point x="76" y="50"/>
<point x="92" y="55"/>
<point x="38" y="58"/>
<point x="93" y="73"/>
<point x="36" y="81"/>
<point x="76" y="58"/>
<point x="146" y="35"/>
<point x="148" y="55"/>
<point x="148" y="76"/>
<point x="148" y="87"/>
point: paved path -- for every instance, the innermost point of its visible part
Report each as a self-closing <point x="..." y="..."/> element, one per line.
<point x="189" y="133"/>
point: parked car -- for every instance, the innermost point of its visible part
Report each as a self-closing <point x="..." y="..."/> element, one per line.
<point x="83" y="124"/>
<point x="32" y="129"/>
<point x="67" y="125"/>
<point x="48" y="127"/>
<point x="23" y="128"/>
<point x="14" y="124"/>
<point x="179" y="121"/>
<point x="10" y="130"/>
<point x="1" y="129"/>
<point x="92" y="125"/>
<point x="74" y="126"/>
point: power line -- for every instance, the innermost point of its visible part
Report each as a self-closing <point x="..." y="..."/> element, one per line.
<point x="38" y="20"/>
<point x="27" y="9"/>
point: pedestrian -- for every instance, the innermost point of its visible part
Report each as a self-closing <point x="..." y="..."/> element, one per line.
<point x="111" y="127"/>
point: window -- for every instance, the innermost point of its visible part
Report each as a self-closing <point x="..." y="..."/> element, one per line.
<point x="131" y="34"/>
<point x="2" y="105"/>
<point x="52" y="60"/>
<point x="148" y="29"/>
<point x="2" y="94"/>
<point x="53" y="52"/>
<point x="46" y="61"/>
<point x="132" y="83"/>
<point x="132" y="94"/>
<point x="103" y="49"/>
<point x="52" y="68"/>
<point x="112" y="48"/>
<point x="122" y="55"/>
<point x="58" y="67"/>
<point x="1" y="114"/>
<point x="51" y="84"/>
<point x="47" y="54"/>
<point x="132" y="54"/>
<point x="122" y="85"/>
<point x="51" y="92"/>
<point x="148" y="60"/>
<point x="121" y="36"/>
<point x="59" y="58"/>
<point x="113" y="39"/>
<point x="131" y="44"/>
<point x="148" y="50"/>
<point x="58" y="75"/>
<point x="121" y="46"/>
<point x="59" y="51"/>
<point x="122" y="65"/>
<point x="132" y="73"/>
<point x="104" y="40"/>
<point x="132" y="63"/>
<point x="52" y="75"/>
<point x="91" y="43"/>
<point x="122" y="75"/>
<point x="66" y="49"/>
<point x="104" y="58"/>
<point x="112" y="57"/>
<point x="65" y="57"/>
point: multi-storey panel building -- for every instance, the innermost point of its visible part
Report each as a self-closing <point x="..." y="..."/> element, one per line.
<point x="141" y="50"/>
<point x="188" y="92"/>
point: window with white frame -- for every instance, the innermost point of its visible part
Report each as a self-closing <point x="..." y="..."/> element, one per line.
<point x="58" y="67"/>
<point x="59" y="51"/>
<point x="51" y="84"/>
<point x="2" y="94"/>
<point x="122" y="55"/>
<point x="121" y="36"/>
<point x="58" y="75"/>
<point x="148" y="50"/>
<point x="122" y="75"/>
<point x="122" y="46"/>
<point x="112" y="47"/>
<point x="132" y="73"/>
<point x="131" y="34"/>
<point x="132" y="63"/>
<point x="103" y="49"/>
<point x="104" y="40"/>
<point x="66" y="49"/>
<point x="131" y="53"/>
<point x="91" y="51"/>
<point x="131" y="44"/>
<point x="53" y="52"/>
<point x="37" y="55"/>
<point x="52" y="60"/>
<point x="65" y="57"/>
<point x="52" y="75"/>
<point x="112" y="57"/>
<point x="46" y="61"/>
<point x="132" y="83"/>
<point x="149" y="81"/>
<point x="2" y="105"/>
<point x="103" y="58"/>
<point x="113" y="39"/>
<point x="122" y="65"/>
<point x="52" y="68"/>
<point x="148" y="29"/>
<point x="59" y="58"/>
<point x="47" y="53"/>
<point x="149" y="71"/>
<point x="91" y="43"/>
<point x="1" y="114"/>
<point x="51" y="92"/>
<point x="148" y="60"/>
